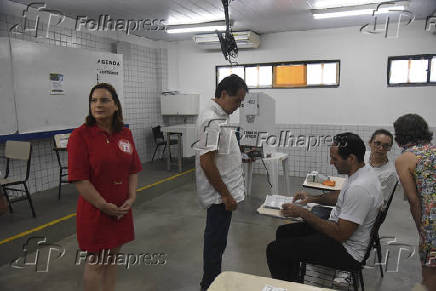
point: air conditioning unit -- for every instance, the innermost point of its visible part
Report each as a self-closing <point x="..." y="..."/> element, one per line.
<point x="244" y="39"/>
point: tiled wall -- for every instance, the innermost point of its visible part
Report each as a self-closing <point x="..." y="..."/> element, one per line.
<point x="145" y="74"/>
<point x="303" y="161"/>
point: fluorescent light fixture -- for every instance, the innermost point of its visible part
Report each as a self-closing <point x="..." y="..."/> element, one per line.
<point x="196" y="29"/>
<point x="344" y="13"/>
<point x="324" y="4"/>
<point x="180" y="20"/>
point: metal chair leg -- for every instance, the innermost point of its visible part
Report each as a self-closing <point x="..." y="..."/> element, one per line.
<point x="60" y="183"/>
<point x="302" y="272"/>
<point x="163" y="152"/>
<point x="155" y="150"/>
<point x="355" y="276"/>
<point x="361" y="280"/>
<point x="379" y="255"/>
<point x="29" y="199"/>
<point x="11" y="210"/>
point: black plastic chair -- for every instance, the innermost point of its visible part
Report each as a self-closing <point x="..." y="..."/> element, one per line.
<point x="17" y="150"/>
<point x="374" y="243"/>
<point x="159" y="140"/>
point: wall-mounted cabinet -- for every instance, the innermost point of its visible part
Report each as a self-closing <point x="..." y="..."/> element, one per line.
<point x="180" y="104"/>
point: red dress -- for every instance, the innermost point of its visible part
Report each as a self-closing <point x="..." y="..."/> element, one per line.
<point x="106" y="160"/>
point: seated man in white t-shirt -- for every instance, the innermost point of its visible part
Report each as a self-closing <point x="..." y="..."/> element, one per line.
<point x="341" y="241"/>
<point x="381" y="143"/>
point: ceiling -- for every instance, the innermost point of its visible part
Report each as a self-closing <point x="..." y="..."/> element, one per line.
<point x="261" y="16"/>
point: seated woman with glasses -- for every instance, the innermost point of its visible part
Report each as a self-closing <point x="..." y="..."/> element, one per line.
<point x="380" y="144"/>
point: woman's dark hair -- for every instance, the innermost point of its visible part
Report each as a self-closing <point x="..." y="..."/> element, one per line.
<point x="117" y="121"/>
<point x="412" y="129"/>
<point x="382" y="131"/>
<point x="349" y="143"/>
<point x="231" y="84"/>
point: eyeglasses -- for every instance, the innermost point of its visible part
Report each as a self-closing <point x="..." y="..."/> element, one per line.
<point x="102" y="100"/>
<point x="385" y="146"/>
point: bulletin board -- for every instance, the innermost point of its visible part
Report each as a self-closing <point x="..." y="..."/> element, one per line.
<point x="51" y="84"/>
<point x="8" y="119"/>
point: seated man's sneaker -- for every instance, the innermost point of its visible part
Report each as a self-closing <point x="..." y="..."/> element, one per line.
<point x="342" y="279"/>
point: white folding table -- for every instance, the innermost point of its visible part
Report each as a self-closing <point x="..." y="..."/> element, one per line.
<point x="272" y="164"/>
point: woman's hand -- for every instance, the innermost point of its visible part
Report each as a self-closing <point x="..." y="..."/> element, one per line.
<point x="127" y="204"/>
<point x="112" y="210"/>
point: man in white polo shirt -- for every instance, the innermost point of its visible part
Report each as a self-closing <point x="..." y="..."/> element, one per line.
<point x="218" y="165"/>
<point x="341" y="241"/>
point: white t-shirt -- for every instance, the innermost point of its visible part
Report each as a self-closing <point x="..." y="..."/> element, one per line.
<point x="214" y="134"/>
<point x="386" y="174"/>
<point x="358" y="202"/>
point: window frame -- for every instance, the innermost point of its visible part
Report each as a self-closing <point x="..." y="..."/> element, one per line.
<point x="427" y="57"/>
<point x="273" y="64"/>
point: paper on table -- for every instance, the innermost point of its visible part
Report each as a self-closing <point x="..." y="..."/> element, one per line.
<point x="262" y="210"/>
<point x="271" y="288"/>
<point x="276" y="201"/>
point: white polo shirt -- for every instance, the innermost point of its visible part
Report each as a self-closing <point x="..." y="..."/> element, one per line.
<point x="215" y="134"/>
<point x="358" y="202"/>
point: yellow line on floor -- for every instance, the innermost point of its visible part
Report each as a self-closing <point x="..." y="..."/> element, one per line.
<point x="164" y="180"/>
<point x="53" y="222"/>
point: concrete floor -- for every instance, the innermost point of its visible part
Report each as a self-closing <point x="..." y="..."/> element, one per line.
<point x="169" y="220"/>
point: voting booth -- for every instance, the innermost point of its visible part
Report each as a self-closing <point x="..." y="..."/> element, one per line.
<point x="257" y="126"/>
<point x="256" y="115"/>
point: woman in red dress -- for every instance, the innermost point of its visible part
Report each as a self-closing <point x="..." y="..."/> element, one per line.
<point x="103" y="164"/>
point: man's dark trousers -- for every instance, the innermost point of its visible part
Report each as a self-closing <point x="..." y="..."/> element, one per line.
<point x="215" y="242"/>
<point x="299" y="242"/>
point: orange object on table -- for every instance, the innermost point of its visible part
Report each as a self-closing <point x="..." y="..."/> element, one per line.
<point x="330" y="183"/>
